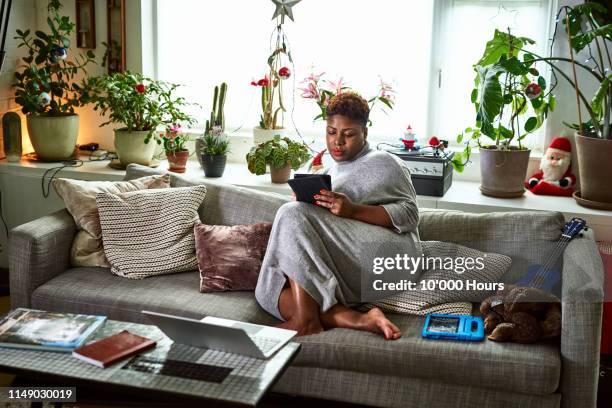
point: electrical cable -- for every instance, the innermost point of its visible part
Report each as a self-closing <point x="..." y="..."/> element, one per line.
<point x="46" y="188"/>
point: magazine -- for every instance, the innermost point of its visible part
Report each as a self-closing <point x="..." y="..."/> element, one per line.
<point x="40" y="330"/>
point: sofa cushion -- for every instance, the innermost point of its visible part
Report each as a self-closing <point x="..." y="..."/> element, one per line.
<point x="150" y="232"/>
<point x="528" y="369"/>
<point x="225" y="204"/>
<point x="98" y="291"/>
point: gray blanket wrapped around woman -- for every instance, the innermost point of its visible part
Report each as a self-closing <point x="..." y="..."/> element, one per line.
<point x="329" y="256"/>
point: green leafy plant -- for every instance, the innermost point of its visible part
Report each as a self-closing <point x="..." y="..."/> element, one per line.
<point x="136" y="102"/>
<point x="46" y="78"/>
<point x="277" y="152"/>
<point x="215" y="143"/>
<point x="173" y="140"/>
<point x="505" y="86"/>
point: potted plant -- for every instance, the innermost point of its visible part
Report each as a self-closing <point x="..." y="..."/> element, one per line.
<point x="505" y="88"/>
<point x="46" y="89"/>
<point x="216" y="122"/>
<point x="272" y="106"/>
<point x="321" y="90"/>
<point x="173" y="141"/>
<point x="214" y="151"/>
<point x="587" y="31"/>
<point x="281" y="153"/>
<point x="139" y="105"/>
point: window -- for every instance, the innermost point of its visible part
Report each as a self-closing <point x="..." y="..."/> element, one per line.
<point x="414" y="44"/>
<point x="201" y="43"/>
<point x="462" y="28"/>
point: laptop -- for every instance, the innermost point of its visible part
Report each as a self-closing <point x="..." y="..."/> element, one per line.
<point x="248" y="339"/>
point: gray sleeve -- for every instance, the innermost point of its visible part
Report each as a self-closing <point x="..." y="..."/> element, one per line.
<point x="404" y="213"/>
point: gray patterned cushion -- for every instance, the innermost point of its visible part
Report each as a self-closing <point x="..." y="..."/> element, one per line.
<point x="150" y="232"/>
<point x="457" y="299"/>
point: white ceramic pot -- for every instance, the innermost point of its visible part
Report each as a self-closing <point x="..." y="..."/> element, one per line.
<point x="53" y="137"/>
<point x="263" y="135"/>
<point x="131" y="147"/>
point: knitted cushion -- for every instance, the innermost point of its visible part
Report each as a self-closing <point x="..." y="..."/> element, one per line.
<point x="80" y="199"/>
<point x="446" y="297"/>
<point x="150" y="232"/>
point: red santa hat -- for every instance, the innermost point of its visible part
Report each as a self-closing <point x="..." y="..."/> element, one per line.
<point x="560" y="145"/>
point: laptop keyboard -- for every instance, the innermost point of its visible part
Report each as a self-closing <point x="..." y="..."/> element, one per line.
<point x="265" y="344"/>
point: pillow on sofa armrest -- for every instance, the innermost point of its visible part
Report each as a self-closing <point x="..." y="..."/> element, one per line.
<point x="229" y="258"/>
<point x="150" y="232"/>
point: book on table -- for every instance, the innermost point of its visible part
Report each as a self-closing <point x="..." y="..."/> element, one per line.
<point x="50" y="331"/>
<point x="109" y="350"/>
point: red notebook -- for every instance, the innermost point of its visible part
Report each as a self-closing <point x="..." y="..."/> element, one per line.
<point x="105" y="352"/>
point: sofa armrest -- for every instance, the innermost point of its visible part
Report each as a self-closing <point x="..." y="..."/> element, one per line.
<point x="38" y="251"/>
<point x="581" y="304"/>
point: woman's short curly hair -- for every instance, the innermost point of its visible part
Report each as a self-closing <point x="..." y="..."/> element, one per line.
<point x="351" y="105"/>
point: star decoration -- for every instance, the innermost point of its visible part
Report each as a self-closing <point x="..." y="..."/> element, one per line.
<point x="283" y="8"/>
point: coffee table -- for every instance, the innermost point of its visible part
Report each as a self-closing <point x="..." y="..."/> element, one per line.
<point x="219" y="378"/>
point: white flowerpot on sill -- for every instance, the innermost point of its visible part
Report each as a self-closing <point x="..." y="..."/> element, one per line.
<point x="263" y="135"/>
<point x="131" y="147"/>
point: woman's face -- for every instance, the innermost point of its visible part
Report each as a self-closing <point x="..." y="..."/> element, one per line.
<point x="345" y="137"/>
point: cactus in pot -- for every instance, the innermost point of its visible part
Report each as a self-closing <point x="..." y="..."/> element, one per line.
<point x="217" y="118"/>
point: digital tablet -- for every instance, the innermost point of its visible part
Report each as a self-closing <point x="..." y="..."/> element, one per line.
<point x="305" y="186"/>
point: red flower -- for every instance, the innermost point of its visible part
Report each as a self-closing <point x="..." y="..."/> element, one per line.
<point x="263" y="81"/>
<point x="318" y="159"/>
<point x="253" y="82"/>
<point x="284" y="73"/>
<point x="434" y="141"/>
<point x="140" y="88"/>
<point x="533" y="90"/>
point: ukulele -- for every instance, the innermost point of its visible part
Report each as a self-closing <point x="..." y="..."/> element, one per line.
<point x="547" y="275"/>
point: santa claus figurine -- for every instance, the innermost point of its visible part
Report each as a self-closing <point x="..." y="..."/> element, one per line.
<point x="555" y="176"/>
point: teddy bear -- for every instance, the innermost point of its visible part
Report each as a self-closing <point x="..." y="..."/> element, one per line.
<point x="521" y="315"/>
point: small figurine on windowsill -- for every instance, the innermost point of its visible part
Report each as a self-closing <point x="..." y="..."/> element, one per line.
<point x="438" y="145"/>
<point x="555" y="176"/>
<point x="409" y="139"/>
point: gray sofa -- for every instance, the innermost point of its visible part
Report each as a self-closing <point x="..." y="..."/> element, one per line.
<point x="347" y="365"/>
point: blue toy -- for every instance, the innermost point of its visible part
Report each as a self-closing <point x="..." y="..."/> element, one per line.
<point x="453" y="327"/>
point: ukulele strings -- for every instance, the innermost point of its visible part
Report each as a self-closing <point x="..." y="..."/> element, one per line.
<point x="539" y="278"/>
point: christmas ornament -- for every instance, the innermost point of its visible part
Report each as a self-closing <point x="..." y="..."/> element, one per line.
<point x="283" y="8"/>
<point x="533" y="90"/>
<point x="555" y="176"/>
<point x="284" y="73"/>
<point x="44" y="99"/>
<point x="317" y="162"/>
<point x="409" y="139"/>
<point x="59" y="52"/>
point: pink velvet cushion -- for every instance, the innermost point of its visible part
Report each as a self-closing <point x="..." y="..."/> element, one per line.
<point x="229" y="258"/>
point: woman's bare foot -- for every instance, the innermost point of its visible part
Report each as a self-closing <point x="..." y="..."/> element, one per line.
<point x="375" y="321"/>
<point x="303" y="327"/>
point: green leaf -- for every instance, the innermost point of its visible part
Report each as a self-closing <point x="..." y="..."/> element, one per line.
<point x="459" y="137"/>
<point x="66" y="42"/>
<point x="513" y="66"/>
<point x="500" y="45"/>
<point x="580" y="41"/>
<point x="552" y="102"/>
<point x="542" y="82"/>
<point x="474" y="95"/>
<point x="491" y="100"/>
<point x="596" y="102"/>
<point x="531" y="124"/>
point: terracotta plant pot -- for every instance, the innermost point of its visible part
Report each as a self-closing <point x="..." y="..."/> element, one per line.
<point x="131" y="147"/>
<point x="503" y="172"/>
<point x="263" y="135"/>
<point x="53" y="137"/>
<point x="280" y="174"/>
<point x="595" y="169"/>
<point x="177" y="160"/>
<point x="214" y="165"/>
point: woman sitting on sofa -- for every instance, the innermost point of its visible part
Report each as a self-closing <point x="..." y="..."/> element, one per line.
<point x="317" y="255"/>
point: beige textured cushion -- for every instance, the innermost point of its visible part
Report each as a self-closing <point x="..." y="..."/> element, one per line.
<point x="454" y="300"/>
<point x="150" y="232"/>
<point x="80" y="199"/>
